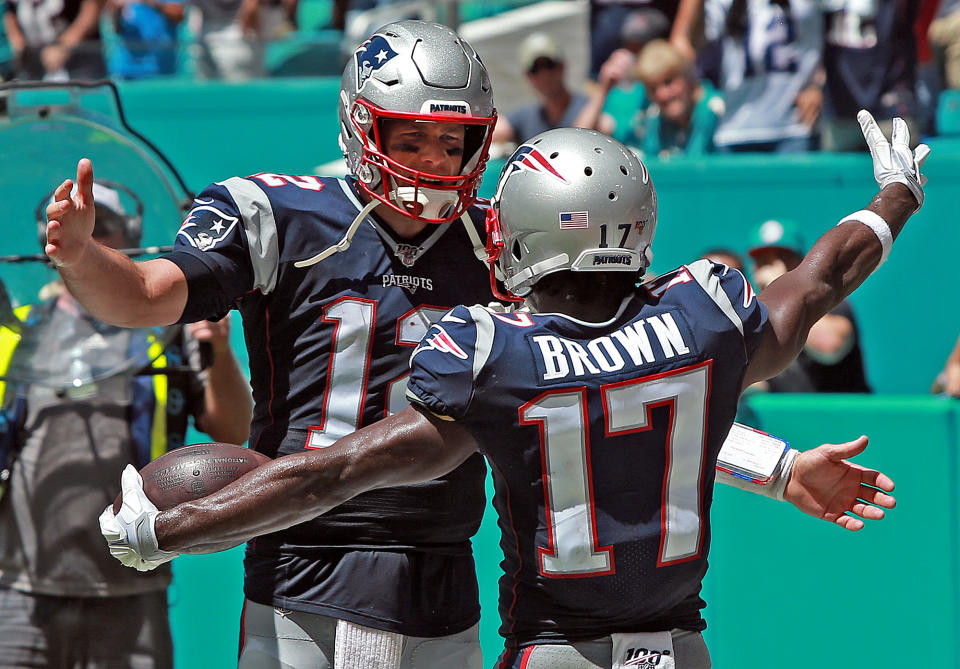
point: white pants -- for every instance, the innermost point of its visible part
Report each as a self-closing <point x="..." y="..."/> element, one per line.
<point x="280" y="639"/>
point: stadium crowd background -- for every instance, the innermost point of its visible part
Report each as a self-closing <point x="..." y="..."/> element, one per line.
<point x="285" y="119"/>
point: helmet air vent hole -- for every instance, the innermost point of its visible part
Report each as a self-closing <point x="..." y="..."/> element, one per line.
<point x="612" y="196"/>
<point x="554" y="155"/>
<point x="623" y="170"/>
<point x="538" y="141"/>
<point x="588" y="171"/>
<point x="516" y="250"/>
<point x="597" y="149"/>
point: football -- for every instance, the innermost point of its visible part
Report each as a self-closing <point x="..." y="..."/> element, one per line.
<point x="192" y="472"/>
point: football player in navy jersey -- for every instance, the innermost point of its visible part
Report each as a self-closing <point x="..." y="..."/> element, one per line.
<point x="601" y="408"/>
<point x="337" y="281"/>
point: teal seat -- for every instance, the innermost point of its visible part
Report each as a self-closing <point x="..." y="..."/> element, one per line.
<point x="948" y="113"/>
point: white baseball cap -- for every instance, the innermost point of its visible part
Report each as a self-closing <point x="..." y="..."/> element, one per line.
<point x="538" y="45"/>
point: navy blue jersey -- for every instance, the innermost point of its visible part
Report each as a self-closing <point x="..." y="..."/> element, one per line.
<point x="329" y="345"/>
<point x="603" y="440"/>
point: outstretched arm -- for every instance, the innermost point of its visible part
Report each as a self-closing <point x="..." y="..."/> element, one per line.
<point x="820" y="482"/>
<point x="109" y="284"/>
<point x="825" y="485"/>
<point x="409" y="447"/>
<point x="844" y="256"/>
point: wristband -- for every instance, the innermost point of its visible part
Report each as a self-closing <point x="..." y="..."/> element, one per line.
<point x="775" y="488"/>
<point x="779" y="486"/>
<point x="879" y="226"/>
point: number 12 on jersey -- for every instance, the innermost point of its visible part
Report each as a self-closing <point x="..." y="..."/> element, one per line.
<point x="573" y="548"/>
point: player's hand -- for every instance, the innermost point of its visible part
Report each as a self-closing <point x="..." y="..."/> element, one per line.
<point x="894" y="161"/>
<point x="130" y="533"/>
<point x="70" y="218"/>
<point x="826" y="486"/>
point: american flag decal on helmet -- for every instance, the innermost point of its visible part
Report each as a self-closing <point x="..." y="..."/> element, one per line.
<point x="574" y="219"/>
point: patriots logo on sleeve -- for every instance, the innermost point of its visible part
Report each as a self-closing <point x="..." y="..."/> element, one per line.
<point x="206" y="226"/>
<point x="439" y="340"/>
<point x="371" y="56"/>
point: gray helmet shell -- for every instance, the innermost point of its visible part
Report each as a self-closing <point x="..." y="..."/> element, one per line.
<point x="417" y="70"/>
<point x="573" y="199"/>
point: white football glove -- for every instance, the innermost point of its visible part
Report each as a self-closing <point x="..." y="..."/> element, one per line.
<point x="130" y="534"/>
<point x="894" y="161"/>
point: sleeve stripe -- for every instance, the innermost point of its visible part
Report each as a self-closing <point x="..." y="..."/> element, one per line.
<point x="260" y="227"/>
<point x="702" y="271"/>
<point x="485" y="329"/>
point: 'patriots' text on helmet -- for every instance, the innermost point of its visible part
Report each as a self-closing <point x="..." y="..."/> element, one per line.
<point x="571" y="199"/>
<point x="414" y="70"/>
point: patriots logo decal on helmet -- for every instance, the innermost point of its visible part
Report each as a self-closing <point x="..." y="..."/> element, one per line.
<point x="371" y="56"/>
<point x="528" y="158"/>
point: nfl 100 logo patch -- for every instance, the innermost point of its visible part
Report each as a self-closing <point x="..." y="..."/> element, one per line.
<point x="645" y="658"/>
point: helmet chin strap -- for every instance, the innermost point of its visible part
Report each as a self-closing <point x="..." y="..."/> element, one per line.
<point x="424" y="202"/>
<point x="435" y="203"/>
<point x="344" y="242"/>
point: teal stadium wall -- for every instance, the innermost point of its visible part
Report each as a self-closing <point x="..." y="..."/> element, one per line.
<point x="783" y="590"/>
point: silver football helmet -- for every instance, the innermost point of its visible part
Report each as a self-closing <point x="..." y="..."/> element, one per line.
<point x="570" y="199"/>
<point x="424" y="72"/>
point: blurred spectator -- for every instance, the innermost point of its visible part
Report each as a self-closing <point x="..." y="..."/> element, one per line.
<point x="770" y="76"/>
<point x="614" y="22"/>
<point x="55" y="40"/>
<point x="870" y="59"/>
<point x="682" y="114"/>
<point x="604" y="110"/>
<point x="79" y="399"/>
<point x="278" y="18"/>
<point x="945" y="41"/>
<point x="543" y="63"/>
<point x="146" y="43"/>
<point x="641" y="27"/>
<point x="618" y="94"/>
<point x="948" y="381"/>
<point x="724" y="256"/>
<point x="684" y="111"/>
<point x="228" y="41"/>
<point x="831" y="360"/>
